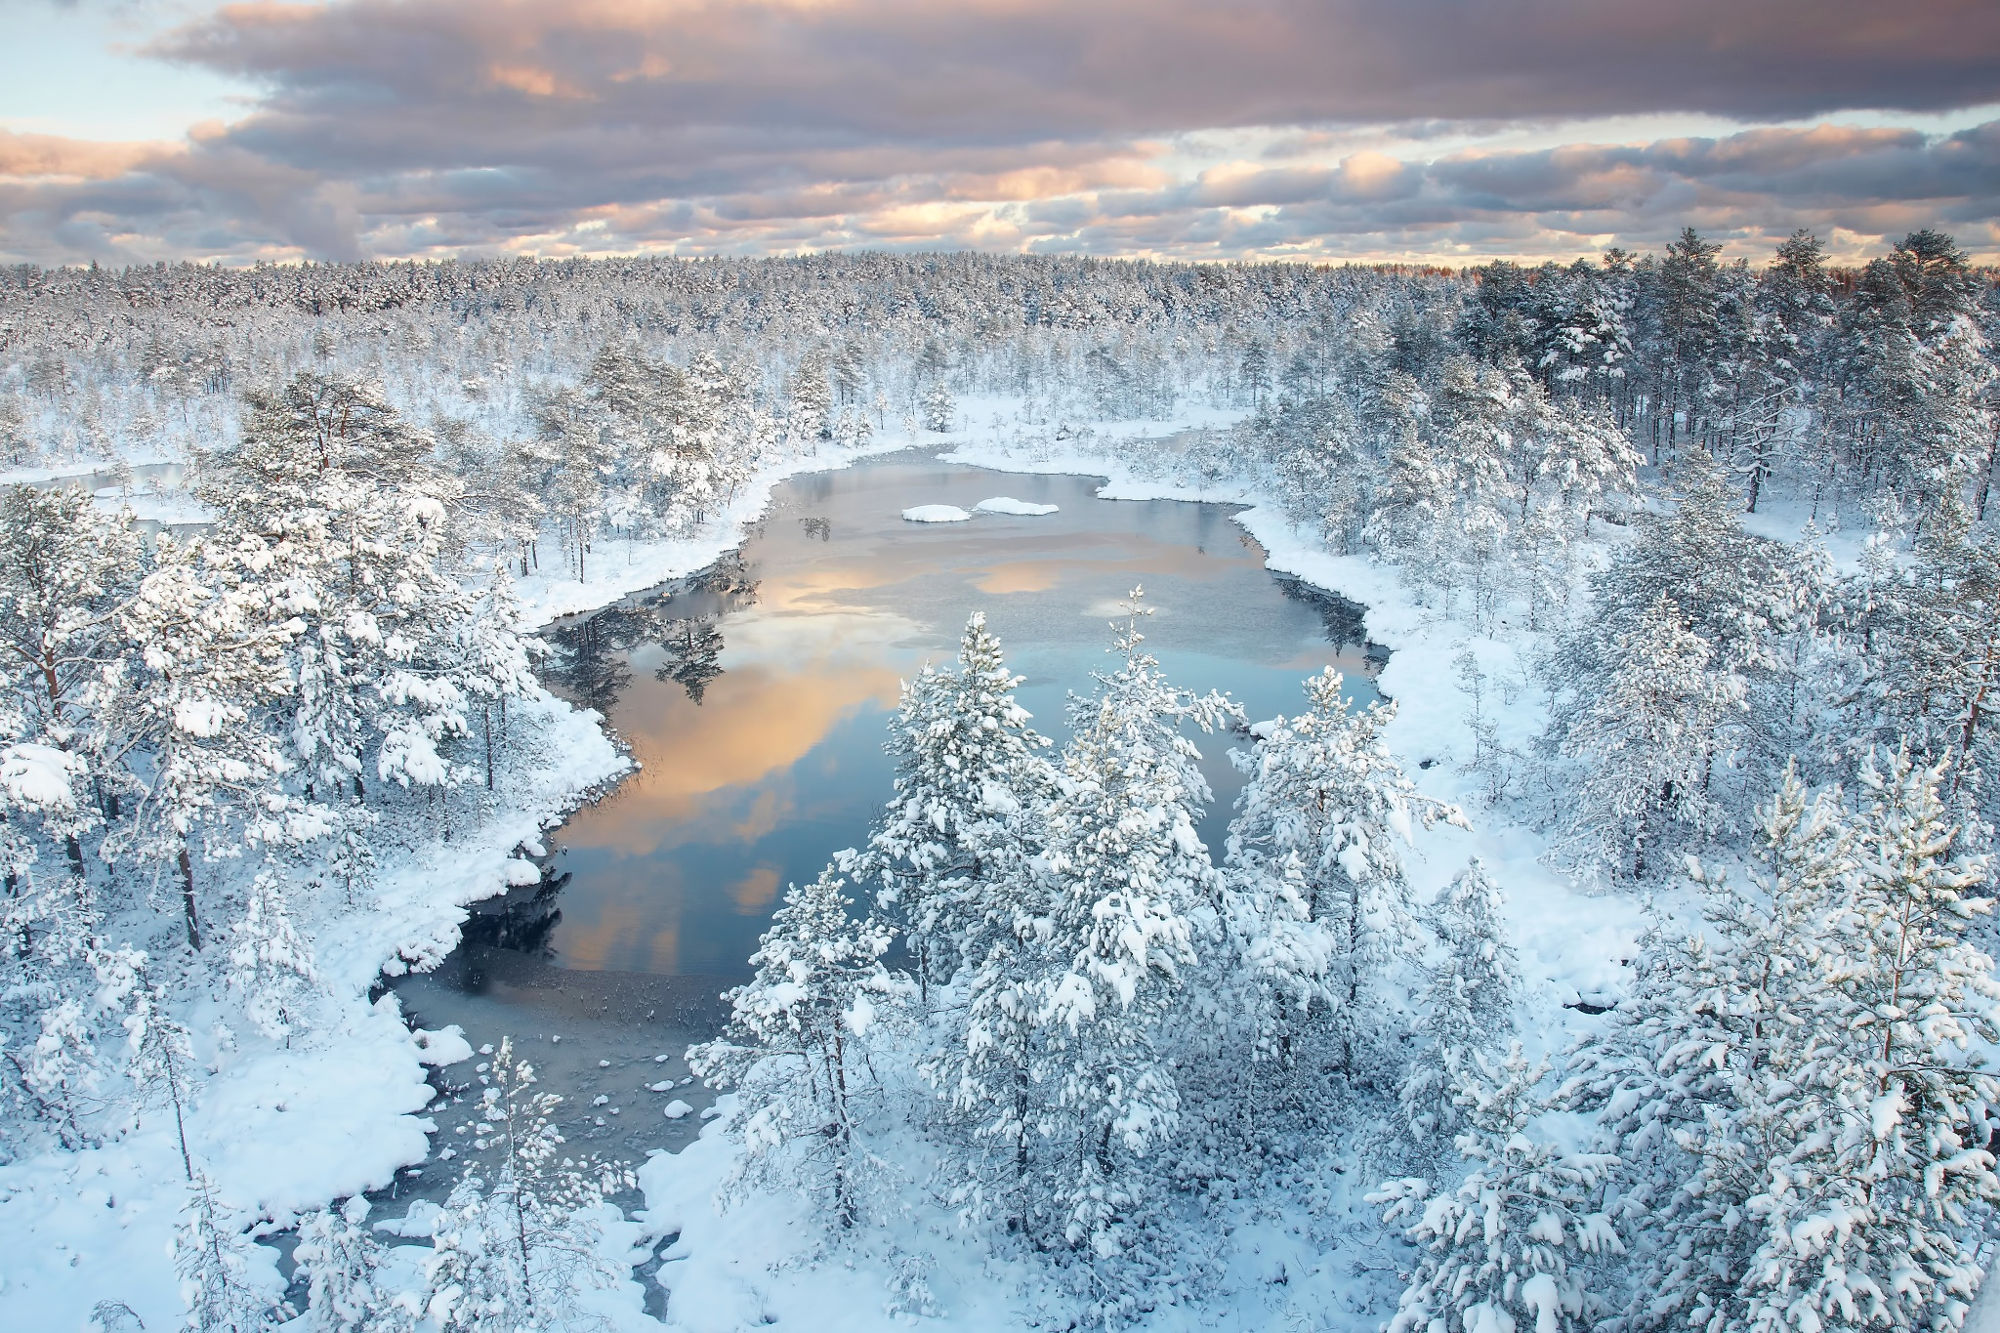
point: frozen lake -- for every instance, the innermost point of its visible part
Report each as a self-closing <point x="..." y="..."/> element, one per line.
<point x="755" y="696"/>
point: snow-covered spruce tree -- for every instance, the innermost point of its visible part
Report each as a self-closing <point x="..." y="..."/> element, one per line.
<point x="794" y="1047"/>
<point x="213" y="1258"/>
<point x="342" y="1260"/>
<point x="1513" y="1245"/>
<point x="1466" y="1004"/>
<point x="970" y="778"/>
<point x="1132" y="893"/>
<point x="1651" y="742"/>
<point x="514" y="1249"/>
<point x="1320" y="918"/>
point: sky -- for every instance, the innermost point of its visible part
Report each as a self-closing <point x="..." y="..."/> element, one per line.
<point x="1427" y="131"/>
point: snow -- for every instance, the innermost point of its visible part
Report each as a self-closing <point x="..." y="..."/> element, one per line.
<point x="676" y="1109"/>
<point x="1007" y="504"/>
<point x="935" y="514"/>
<point x="446" y="1046"/>
<point x="38" y="776"/>
<point x="284" y="1130"/>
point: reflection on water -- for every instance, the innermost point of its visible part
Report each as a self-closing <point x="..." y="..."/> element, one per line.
<point x="754" y="695"/>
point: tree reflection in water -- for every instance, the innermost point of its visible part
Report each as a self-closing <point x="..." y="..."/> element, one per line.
<point x="592" y="664"/>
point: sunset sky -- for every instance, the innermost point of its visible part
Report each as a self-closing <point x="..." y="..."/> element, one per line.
<point x="1435" y="130"/>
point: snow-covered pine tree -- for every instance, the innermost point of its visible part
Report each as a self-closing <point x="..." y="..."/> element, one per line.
<point x="213" y="1258"/>
<point x="194" y="698"/>
<point x="1872" y="1216"/>
<point x="66" y="570"/>
<point x="1466" y="1004"/>
<point x="159" y="1050"/>
<point x="970" y="780"/>
<point x="1650" y="743"/>
<point x="939" y="407"/>
<point x="1132" y="893"/>
<point x="1704" y="1073"/>
<point x="515" y="1248"/>
<point x="1320" y="918"/>
<point x="1512" y="1246"/>
<point x="809" y="412"/>
<point x="794" y="1045"/>
<point x="271" y="962"/>
<point x="342" y="1261"/>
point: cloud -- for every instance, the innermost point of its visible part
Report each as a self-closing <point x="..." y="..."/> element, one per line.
<point x="1326" y="128"/>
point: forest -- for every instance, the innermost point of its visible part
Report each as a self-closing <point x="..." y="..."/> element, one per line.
<point x="1702" y="587"/>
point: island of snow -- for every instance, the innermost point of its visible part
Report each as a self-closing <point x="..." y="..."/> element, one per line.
<point x="1007" y="504"/>
<point x="936" y="514"/>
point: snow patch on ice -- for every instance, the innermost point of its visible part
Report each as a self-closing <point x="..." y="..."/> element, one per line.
<point x="935" y="514"/>
<point x="446" y="1046"/>
<point x="1007" y="504"/>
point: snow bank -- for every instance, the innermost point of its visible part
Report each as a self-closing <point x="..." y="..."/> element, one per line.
<point x="1007" y="504"/>
<point x="935" y="514"/>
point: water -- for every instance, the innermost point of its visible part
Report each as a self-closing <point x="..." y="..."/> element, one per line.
<point x="755" y="697"/>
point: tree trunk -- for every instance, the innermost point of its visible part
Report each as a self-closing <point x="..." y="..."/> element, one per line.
<point x="186" y="864"/>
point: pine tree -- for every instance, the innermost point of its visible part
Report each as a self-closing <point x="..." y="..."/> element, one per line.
<point x="212" y="1258"/>
<point x="1704" y="1071"/>
<point x="938" y="406"/>
<point x="1512" y="1245"/>
<point x="1322" y="918"/>
<point x="1133" y="891"/>
<point x="1467" y="1002"/>
<point x="209" y="664"/>
<point x="342" y="1262"/>
<point x="513" y="1250"/>
<point x="272" y="964"/>
<point x="1651" y="742"/>
<point x="794" y="1044"/>
<point x="66" y="571"/>
<point x="1872" y="1218"/>
<point x="970" y="778"/>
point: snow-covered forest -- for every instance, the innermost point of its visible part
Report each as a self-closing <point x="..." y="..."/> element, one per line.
<point x="1628" y="967"/>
